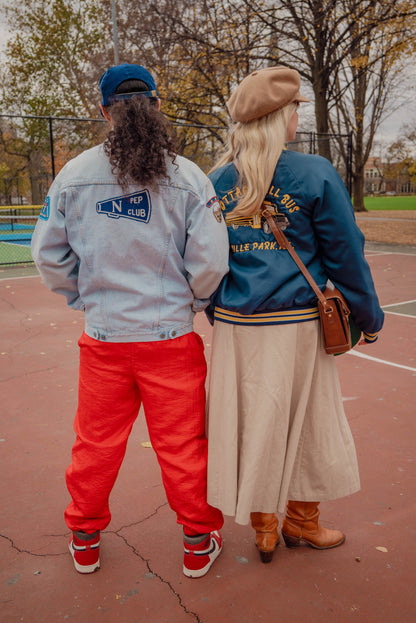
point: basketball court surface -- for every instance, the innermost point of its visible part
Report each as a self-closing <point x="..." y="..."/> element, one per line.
<point x="370" y="579"/>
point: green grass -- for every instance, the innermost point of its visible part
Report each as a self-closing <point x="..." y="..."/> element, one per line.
<point x="390" y="203"/>
<point x="14" y="254"/>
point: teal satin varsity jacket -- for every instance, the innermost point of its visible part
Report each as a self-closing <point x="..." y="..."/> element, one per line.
<point x="264" y="285"/>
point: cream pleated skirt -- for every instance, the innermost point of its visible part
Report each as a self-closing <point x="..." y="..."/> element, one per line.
<point x="276" y="425"/>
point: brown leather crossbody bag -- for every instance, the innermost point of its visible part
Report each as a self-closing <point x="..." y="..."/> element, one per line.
<point x="333" y="308"/>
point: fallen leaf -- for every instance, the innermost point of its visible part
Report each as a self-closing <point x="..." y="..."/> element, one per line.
<point x="382" y="549"/>
<point x="146" y="444"/>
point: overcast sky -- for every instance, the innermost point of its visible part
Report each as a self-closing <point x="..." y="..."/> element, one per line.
<point x="404" y="111"/>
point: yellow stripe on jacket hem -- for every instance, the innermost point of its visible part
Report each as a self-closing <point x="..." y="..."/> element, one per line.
<point x="276" y="317"/>
<point x="369" y="338"/>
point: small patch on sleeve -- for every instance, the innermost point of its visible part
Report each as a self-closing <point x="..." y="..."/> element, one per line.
<point x="212" y="201"/>
<point x="216" y="210"/>
<point x="44" y="213"/>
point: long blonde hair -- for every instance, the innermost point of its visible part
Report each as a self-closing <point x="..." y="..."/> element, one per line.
<point x="255" y="148"/>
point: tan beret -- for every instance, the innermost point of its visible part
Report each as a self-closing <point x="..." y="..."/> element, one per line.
<point x="263" y="92"/>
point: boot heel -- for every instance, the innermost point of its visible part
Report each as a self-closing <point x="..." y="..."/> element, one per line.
<point x="266" y="556"/>
<point x="291" y="541"/>
<point x="267" y="538"/>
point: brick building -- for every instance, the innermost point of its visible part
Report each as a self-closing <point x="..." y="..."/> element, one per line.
<point x="384" y="178"/>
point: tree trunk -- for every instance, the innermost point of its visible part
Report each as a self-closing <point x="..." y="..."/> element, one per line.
<point x="322" y="118"/>
<point x="358" y="161"/>
<point x="36" y="177"/>
<point x="358" y="150"/>
<point x="358" y="191"/>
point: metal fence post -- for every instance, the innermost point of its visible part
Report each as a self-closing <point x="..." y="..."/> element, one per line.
<point x="349" y="168"/>
<point x="51" y="144"/>
<point x="115" y="35"/>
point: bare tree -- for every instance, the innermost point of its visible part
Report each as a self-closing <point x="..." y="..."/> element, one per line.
<point x="48" y="72"/>
<point x="371" y="73"/>
<point x="198" y="52"/>
<point x="49" y="57"/>
<point x="347" y="50"/>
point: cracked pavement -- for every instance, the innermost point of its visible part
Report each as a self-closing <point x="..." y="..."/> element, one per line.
<point x="369" y="579"/>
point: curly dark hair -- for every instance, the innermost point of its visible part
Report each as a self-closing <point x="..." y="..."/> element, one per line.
<point x="138" y="142"/>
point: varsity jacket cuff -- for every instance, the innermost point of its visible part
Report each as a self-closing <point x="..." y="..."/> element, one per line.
<point x="369" y="338"/>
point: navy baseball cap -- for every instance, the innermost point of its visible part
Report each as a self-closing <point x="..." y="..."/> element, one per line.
<point x="117" y="74"/>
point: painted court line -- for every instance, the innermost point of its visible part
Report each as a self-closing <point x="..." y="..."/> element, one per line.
<point x="380" y="253"/>
<point x="402" y="315"/>
<point x="13" y="278"/>
<point x="375" y="359"/>
<point x="400" y="303"/>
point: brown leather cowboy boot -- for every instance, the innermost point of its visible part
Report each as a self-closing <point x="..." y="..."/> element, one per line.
<point x="267" y="538"/>
<point x="301" y="524"/>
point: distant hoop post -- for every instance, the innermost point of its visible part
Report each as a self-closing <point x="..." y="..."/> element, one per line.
<point x="51" y="146"/>
<point x="115" y="36"/>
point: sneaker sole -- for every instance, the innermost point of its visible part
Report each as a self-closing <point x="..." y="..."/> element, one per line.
<point x="83" y="568"/>
<point x="198" y="573"/>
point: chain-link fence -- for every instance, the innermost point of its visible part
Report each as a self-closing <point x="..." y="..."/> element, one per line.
<point x="16" y="228"/>
<point x="34" y="148"/>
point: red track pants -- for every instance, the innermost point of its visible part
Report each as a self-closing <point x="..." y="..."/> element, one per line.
<point x="168" y="377"/>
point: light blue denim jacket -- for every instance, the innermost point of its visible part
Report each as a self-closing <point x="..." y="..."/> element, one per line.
<point x="139" y="263"/>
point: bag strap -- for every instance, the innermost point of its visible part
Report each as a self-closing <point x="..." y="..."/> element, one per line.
<point x="285" y="244"/>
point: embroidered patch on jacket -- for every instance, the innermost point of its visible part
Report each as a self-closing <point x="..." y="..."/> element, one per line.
<point x="257" y="221"/>
<point x="44" y="213"/>
<point x="136" y="206"/>
<point x="214" y="203"/>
